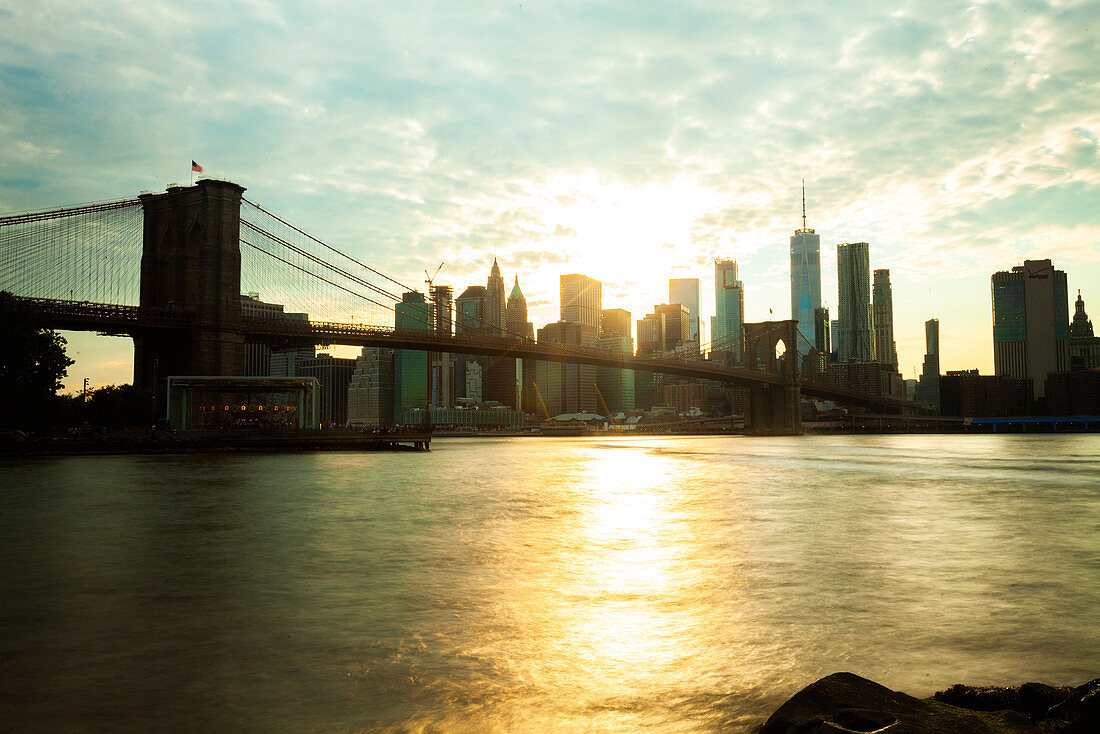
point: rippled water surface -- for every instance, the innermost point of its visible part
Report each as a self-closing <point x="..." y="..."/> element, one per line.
<point x="640" y="584"/>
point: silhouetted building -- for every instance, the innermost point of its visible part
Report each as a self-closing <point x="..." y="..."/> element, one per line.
<point x="687" y="292"/>
<point x="967" y="394"/>
<point x="856" y="332"/>
<point x="1073" y="393"/>
<point x="334" y="375"/>
<point x="928" y="387"/>
<point x="882" y="307"/>
<point x="729" y="308"/>
<point x="683" y="396"/>
<point x="370" y="390"/>
<point x="581" y="300"/>
<point x="1084" y="346"/>
<point x="805" y="279"/>
<point x="1030" y="322"/>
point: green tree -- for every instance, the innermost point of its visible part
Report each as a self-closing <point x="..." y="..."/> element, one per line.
<point x="119" y="406"/>
<point x="32" y="364"/>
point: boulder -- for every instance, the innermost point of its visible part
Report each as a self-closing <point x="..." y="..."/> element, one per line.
<point x="842" y="703"/>
<point x="1033" y="700"/>
<point x="1079" y="713"/>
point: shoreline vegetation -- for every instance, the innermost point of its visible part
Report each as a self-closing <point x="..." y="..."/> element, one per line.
<point x="844" y="702"/>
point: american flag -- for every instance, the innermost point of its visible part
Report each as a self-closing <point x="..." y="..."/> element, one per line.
<point x="196" y="167"/>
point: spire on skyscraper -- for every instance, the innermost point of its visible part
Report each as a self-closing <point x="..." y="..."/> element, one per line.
<point x="803" y="203"/>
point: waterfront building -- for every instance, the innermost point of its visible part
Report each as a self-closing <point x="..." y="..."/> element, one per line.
<point x="928" y="387"/>
<point x="805" y="279"/>
<point x="687" y="291"/>
<point x="370" y="390"/>
<point x="882" y="306"/>
<point x="1030" y="322"/>
<point x="729" y="309"/>
<point x="967" y="394"/>
<point x="856" y="329"/>
<point x="615" y="322"/>
<point x="467" y="418"/>
<point x="410" y="367"/>
<point x="581" y="300"/>
<point x="1073" y="393"/>
<point x="333" y="375"/>
<point x="567" y="388"/>
<point x="501" y="374"/>
<point x="1084" y="346"/>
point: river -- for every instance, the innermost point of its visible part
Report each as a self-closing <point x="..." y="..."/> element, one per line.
<point x="537" y="584"/>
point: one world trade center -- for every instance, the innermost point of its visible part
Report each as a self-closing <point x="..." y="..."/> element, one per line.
<point x="805" y="279"/>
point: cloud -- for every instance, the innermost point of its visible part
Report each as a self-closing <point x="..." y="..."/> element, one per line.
<point x="957" y="138"/>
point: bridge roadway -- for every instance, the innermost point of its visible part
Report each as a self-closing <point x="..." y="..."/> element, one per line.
<point x="130" y="320"/>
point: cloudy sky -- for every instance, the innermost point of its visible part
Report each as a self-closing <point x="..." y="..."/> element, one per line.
<point x="630" y="141"/>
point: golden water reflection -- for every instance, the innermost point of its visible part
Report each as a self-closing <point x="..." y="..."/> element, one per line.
<point x="607" y="614"/>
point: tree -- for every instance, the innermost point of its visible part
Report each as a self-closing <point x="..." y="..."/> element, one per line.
<point x="32" y="364"/>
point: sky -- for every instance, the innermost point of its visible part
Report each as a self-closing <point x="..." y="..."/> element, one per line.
<point x="632" y="142"/>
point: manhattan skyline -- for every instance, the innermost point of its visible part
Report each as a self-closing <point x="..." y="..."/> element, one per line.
<point x="630" y="145"/>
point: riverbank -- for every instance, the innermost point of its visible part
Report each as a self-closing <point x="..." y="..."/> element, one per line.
<point x="200" y="442"/>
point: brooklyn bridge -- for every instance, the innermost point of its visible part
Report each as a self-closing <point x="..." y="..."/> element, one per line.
<point x="168" y="269"/>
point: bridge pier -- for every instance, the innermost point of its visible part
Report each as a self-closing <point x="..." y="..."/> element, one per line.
<point x="191" y="261"/>
<point x="773" y="409"/>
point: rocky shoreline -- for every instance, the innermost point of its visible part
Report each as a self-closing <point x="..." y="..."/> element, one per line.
<point x="844" y="702"/>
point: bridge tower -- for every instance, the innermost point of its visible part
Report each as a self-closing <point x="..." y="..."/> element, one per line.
<point x="191" y="261"/>
<point x="773" y="410"/>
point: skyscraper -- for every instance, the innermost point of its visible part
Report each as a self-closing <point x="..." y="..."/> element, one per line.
<point x="333" y="374"/>
<point x="567" y="388"/>
<point x="805" y="279"/>
<point x="516" y="314"/>
<point x="729" y="309"/>
<point x="470" y="318"/>
<point x="370" y="393"/>
<point x="441" y="389"/>
<point x="581" y="300"/>
<point x="1031" y="322"/>
<point x="410" y="367"/>
<point x="928" y="387"/>
<point x="687" y="292"/>
<point x="495" y="305"/>
<point x="886" y="350"/>
<point x="615" y="322"/>
<point x="856" y="333"/>
<point x="519" y="325"/>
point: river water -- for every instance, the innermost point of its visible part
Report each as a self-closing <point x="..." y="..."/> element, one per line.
<point x="529" y="585"/>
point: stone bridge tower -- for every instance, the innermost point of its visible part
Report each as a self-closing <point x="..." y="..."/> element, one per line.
<point x="191" y="261"/>
<point x="773" y="410"/>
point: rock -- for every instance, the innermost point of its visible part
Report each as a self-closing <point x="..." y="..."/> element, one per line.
<point x="843" y="702"/>
<point x="1079" y="713"/>
<point x="1033" y="700"/>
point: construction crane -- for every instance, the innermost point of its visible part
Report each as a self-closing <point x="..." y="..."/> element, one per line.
<point x="429" y="279"/>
